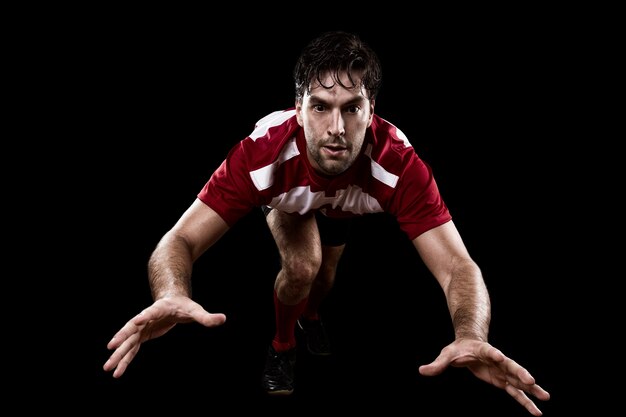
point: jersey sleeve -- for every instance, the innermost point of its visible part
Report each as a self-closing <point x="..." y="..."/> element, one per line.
<point x="418" y="205"/>
<point x="233" y="191"/>
<point x="229" y="190"/>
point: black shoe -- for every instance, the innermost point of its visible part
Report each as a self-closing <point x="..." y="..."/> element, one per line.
<point x="317" y="341"/>
<point x="278" y="373"/>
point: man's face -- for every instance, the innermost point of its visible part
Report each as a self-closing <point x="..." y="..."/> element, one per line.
<point x="334" y="121"/>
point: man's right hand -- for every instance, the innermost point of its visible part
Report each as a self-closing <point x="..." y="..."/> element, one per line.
<point x="151" y="323"/>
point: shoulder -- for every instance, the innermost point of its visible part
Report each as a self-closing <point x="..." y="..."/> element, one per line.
<point x="272" y="135"/>
<point x="389" y="134"/>
<point x="390" y="147"/>
<point x="276" y="120"/>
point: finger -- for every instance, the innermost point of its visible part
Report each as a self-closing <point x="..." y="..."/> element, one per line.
<point x="120" y="369"/>
<point x="205" y="318"/>
<point x="182" y="312"/>
<point x="437" y="366"/>
<point x="129" y="329"/>
<point x="521" y="397"/>
<point x="154" y="312"/>
<point x="123" y="363"/>
<point x="520" y="378"/>
<point x="526" y="382"/>
<point x="134" y="325"/>
<point x="488" y="353"/>
<point x="540" y="393"/>
<point x="532" y="389"/>
<point x="509" y="367"/>
<point x="122" y="356"/>
<point x="520" y="373"/>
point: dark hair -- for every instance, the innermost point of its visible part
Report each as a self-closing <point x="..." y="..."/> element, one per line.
<point x="336" y="52"/>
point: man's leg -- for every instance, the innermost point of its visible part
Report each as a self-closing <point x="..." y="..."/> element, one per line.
<point x="298" y="241"/>
<point x="310" y="322"/>
<point x="324" y="281"/>
<point x="333" y="236"/>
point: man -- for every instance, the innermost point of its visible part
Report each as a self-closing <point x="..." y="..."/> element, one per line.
<point x="311" y="169"/>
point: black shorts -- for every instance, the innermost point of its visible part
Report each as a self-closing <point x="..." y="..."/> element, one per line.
<point x="333" y="232"/>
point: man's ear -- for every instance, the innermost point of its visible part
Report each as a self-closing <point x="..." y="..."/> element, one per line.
<point x="372" y="105"/>
<point x="299" y="113"/>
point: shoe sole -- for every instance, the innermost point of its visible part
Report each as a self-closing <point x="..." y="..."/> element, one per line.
<point x="319" y="353"/>
<point x="280" y="393"/>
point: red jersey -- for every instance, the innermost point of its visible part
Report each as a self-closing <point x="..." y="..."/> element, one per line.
<point x="270" y="167"/>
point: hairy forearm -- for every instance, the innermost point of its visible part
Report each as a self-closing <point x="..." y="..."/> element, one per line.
<point x="468" y="302"/>
<point x="169" y="268"/>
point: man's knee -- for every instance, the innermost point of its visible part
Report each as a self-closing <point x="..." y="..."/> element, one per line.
<point x="302" y="269"/>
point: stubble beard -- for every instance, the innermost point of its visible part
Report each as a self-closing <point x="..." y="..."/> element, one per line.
<point x="327" y="164"/>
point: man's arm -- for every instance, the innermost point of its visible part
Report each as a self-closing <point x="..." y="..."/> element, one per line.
<point x="446" y="256"/>
<point x="171" y="263"/>
<point x="170" y="268"/>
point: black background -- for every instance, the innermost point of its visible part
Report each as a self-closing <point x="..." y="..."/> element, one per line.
<point x="160" y="99"/>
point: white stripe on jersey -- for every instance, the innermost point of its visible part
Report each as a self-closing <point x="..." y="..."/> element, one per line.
<point x="302" y="200"/>
<point x="380" y="173"/>
<point x="263" y="178"/>
<point x="272" y="119"/>
<point x="400" y="134"/>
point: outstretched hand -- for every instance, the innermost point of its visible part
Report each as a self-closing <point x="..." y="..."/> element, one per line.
<point x="492" y="366"/>
<point x="151" y="323"/>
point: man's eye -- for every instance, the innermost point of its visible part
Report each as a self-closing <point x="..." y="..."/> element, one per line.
<point x="318" y="107"/>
